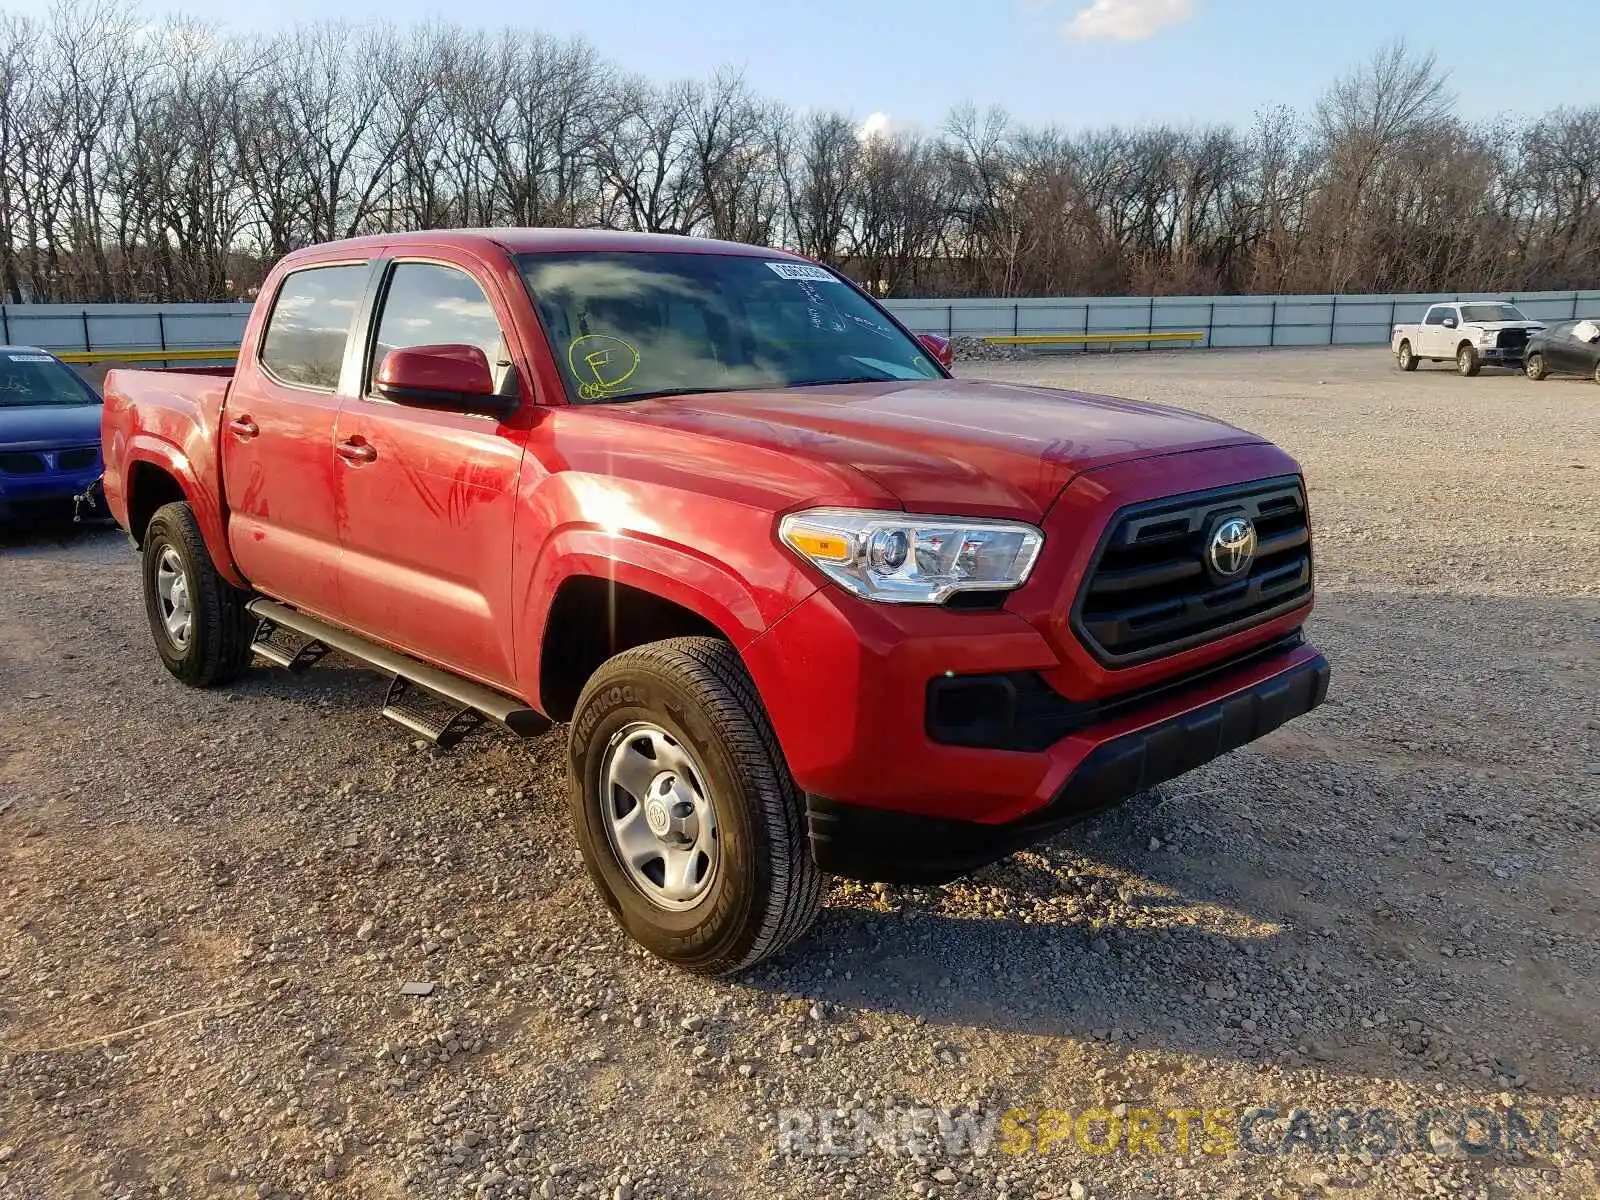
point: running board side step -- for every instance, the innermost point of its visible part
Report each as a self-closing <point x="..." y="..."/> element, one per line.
<point x="470" y="699"/>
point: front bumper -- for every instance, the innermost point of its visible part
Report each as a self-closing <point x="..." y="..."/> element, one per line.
<point x="49" y="496"/>
<point x="1219" y="714"/>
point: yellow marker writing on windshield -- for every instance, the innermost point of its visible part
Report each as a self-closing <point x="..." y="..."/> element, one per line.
<point x="601" y="364"/>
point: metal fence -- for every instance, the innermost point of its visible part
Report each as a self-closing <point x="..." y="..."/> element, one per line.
<point x="100" y="328"/>
<point x="1224" y="321"/>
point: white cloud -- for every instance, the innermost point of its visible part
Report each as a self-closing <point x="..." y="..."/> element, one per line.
<point x="1128" y="20"/>
<point x="876" y="126"/>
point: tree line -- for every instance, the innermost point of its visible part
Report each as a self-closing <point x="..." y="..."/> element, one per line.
<point x="176" y="161"/>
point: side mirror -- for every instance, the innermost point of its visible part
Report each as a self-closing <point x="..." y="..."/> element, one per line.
<point x="943" y="352"/>
<point x="1449" y="322"/>
<point x="446" y="376"/>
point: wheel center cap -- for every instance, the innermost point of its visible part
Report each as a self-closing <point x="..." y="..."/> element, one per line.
<point x="657" y="813"/>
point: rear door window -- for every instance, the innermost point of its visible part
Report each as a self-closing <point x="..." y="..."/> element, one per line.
<point x="310" y="325"/>
<point x="1437" y="315"/>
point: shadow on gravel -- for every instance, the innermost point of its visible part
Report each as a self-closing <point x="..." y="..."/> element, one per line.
<point x="44" y="536"/>
<point x="1285" y="998"/>
<point x="1399" y="886"/>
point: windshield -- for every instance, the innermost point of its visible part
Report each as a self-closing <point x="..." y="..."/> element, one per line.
<point x="628" y="325"/>
<point x="29" y="379"/>
<point x="1491" y="312"/>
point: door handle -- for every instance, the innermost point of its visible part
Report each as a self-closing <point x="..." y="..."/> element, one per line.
<point x="243" y="428"/>
<point x="356" y="450"/>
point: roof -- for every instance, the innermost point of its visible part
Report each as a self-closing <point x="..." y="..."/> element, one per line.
<point x="547" y="241"/>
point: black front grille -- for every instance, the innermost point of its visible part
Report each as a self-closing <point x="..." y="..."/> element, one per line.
<point x="1512" y="339"/>
<point x="23" y="463"/>
<point x="1150" y="590"/>
<point x="78" y="457"/>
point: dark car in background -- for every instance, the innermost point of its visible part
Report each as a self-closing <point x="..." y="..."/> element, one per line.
<point x="1566" y="348"/>
<point x="49" y="436"/>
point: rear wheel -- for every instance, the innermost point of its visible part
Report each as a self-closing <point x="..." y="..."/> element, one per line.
<point x="198" y="620"/>
<point x="1405" y="357"/>
<point x="1535" y="367"/>
<point x="689" y="822"/>
<point x="1467" y="361"/>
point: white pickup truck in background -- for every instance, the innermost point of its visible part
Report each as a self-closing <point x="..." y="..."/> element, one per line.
<point x="1472" y="332"/>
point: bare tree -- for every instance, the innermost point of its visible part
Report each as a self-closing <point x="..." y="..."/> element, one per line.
<point x="174" y="160"/>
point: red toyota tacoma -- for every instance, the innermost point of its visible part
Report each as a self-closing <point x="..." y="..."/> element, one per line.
<point x="809" y="604"/>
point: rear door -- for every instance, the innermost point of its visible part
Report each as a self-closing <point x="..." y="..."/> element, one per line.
<point x="277" y="437"/>
<point x="431" y="496"/>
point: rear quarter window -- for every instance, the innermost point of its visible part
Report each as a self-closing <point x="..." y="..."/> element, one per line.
<point x="310" y="325"/>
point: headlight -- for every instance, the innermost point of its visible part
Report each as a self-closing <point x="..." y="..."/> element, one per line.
<point x="1487" y="337"/>
<point x="900" y="558"/>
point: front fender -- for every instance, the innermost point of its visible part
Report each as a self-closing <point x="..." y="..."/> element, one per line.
<point x="740" y="609"/>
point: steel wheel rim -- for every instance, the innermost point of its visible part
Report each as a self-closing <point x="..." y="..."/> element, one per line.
<point x="172" y="593"/>
<point x="660" y="818"/>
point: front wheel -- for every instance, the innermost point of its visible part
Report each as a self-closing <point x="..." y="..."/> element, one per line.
<point x="689" y="822"/>
<point x="1406" y="358"/>
<point x="1535" y="368"/>
<point x="199" y="621"/>
<point x="1597" y="372"/>
<point x="1467" y="361"/>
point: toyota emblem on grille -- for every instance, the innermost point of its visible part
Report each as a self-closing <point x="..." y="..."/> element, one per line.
<point x="1233" y="547"/>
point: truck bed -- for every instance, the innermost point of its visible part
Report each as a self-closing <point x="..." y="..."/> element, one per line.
<point x="170" y="419"/>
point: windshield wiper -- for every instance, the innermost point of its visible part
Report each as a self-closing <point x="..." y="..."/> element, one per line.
<point x="849" y="379"/>
<point x="664" y="392"/>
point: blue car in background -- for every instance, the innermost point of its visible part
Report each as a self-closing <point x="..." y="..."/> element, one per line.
<point x="49" y="436"/>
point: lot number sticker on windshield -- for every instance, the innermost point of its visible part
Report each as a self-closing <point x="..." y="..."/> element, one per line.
<point x="30" y="358"/>
<point x="789" y="270"/>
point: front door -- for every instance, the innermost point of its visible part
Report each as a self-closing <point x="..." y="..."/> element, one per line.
<point x="277" y="439"/>
<point x="1438" y="340"/>
<point x="429" y="494"/>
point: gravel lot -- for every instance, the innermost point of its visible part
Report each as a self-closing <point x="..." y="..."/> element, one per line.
<point x="210" y="900"/>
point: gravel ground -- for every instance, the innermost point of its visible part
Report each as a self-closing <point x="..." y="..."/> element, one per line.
<point x="211" y="899"/>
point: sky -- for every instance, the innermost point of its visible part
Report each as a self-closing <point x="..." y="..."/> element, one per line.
<point x="1073" y="63"/>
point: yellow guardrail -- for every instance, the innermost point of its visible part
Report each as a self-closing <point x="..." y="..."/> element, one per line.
<point x="138" y="356"/>
<point x="1075" y="339"/>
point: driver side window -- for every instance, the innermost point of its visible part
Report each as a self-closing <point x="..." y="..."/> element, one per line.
<point x="428" y="304"/>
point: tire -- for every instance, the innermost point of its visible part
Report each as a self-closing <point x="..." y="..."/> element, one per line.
<point x="215" y="644"/>
<point x="707" y="734"/>
<point x="1468" y="363"/>
<point x="1597" y="372"/>
<point x="1535" y="368"/>
<point x="1405" y="358"/>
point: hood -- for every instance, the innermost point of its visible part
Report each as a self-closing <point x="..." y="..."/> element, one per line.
<point x="42" y="426"/>
<point x="946" y="445"/>
<point x="1496" y="326"/>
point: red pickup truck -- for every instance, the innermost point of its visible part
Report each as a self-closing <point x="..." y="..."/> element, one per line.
<point x="809" y="604"/>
